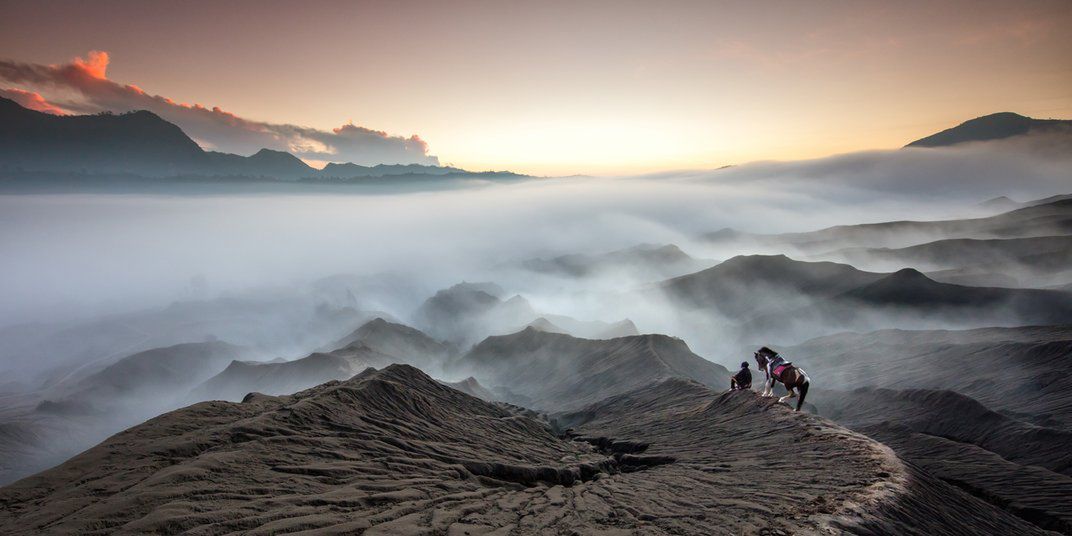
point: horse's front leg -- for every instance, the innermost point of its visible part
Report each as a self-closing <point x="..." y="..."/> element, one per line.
<point x="768" y="389"/>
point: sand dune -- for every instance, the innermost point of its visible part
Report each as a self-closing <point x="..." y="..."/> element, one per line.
<point x="1022" y="468"/>
<point x="392" y="451"/>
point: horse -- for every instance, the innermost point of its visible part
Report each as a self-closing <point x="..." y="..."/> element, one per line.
<point x="791" y="376"/>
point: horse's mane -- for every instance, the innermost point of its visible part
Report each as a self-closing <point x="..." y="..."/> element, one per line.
<point x="767" y="352"/>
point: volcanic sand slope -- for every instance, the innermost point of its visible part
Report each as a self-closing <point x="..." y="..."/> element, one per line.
<point x="555" y="372"/>
<point x="1024" y="469"/>
<point x="736" y="462"/>
<point x="392" y="452"/>
<point x="1023" y="371"/>
<point x="952" y="416"/>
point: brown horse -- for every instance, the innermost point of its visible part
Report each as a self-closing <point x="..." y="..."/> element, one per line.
<point x="792" y="377"/>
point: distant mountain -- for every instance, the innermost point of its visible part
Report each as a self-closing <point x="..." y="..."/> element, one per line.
<point x="348" y="170"/>
<point x="141" y="143"/>
<point x="551" y="371"/>
<point x="265" y="163"/>
<point x="991" y="127"/>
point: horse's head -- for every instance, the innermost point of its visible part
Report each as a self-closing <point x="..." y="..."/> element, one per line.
<point x="763" y="355"/>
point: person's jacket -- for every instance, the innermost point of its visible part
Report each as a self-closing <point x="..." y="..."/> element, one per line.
<point x="743" y="377"/>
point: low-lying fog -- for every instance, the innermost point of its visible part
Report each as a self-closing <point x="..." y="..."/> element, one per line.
<point x="76" y="257"/>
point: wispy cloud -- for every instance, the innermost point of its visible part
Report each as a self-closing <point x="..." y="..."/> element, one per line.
<point x="212" y="126"/>
<point x="31" y="100"/>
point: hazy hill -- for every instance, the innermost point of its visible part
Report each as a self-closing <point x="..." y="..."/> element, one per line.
<point x="909" y="299"/>
<point x="1048" y="218"/>
<point x="754" y="284"/>
<point x="288" y="377"/>
<point x="147" y="383"/>
<point x="643" y="261"/>
<point x="585" y="329"/>
<point x="991" y="127"/>
<point x="393" y="452"/>
<point x="408" y="345"/>
<point x="552" y="371"/>
<point x="790" y="300"/>
<point x="467" y="312"/>
<point x="955" y="253"/>
<point x="472" y="387"/>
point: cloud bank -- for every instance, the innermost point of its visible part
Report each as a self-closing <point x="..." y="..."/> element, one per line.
<point x="82" y="86"/>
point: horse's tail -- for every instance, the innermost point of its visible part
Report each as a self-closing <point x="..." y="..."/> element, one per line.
<point x="803" y="388"/>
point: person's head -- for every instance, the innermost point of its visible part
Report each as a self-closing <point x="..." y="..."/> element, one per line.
<point x="744" y="364"/>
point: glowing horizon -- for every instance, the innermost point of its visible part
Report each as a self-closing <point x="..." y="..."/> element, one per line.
<point x="611" y="88"/>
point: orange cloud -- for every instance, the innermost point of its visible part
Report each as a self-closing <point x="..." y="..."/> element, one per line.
<point x="215" y="127"/>
<point x="32" y="100"/>
<point x="96" y="64"/>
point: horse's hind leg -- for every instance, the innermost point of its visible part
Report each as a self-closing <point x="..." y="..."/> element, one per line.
<point x="791" y="394"/>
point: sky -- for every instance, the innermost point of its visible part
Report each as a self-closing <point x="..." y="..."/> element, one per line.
<point x="548" y="88"/>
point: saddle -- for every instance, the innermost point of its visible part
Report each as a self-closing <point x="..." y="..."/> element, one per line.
<point x="777" y="370"/>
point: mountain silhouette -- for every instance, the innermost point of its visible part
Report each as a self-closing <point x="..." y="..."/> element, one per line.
<point x="991" y="127"/>
<point x="142" y="143"/>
